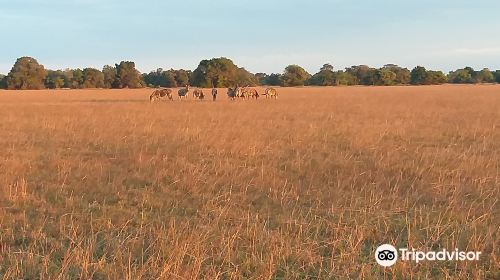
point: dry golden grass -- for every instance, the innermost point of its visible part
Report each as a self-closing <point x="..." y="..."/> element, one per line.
<point x="103" y="185"/>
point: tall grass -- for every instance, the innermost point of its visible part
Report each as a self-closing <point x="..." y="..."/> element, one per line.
<point x="104" y="185"/>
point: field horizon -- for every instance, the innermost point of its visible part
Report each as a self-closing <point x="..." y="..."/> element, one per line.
<point x="101" y="184"/>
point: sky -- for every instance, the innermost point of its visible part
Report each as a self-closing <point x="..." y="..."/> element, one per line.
<point x="260" y="35"/>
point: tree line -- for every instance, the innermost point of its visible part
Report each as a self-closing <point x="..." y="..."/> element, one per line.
<point x="27" y="73"/>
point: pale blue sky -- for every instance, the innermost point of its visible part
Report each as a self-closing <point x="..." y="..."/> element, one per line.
<point x="261" y="35"/>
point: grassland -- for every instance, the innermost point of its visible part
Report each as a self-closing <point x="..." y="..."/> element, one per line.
<point x="103" y="185"/>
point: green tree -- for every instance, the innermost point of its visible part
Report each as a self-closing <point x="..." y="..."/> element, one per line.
<point x="460" y="76"/>
<point x="167" y="79"/>
<point x="485" y="76"/>
<point x="473" y="73"/>
<point x="182" y="77"/>
<point x="73" y="78"/>
<point x="93" y="78"/>
<point x="26" y="73"/>
<point x="418" y="75"/>
<point x="295" y="75"/>
<point x="385" y="77"/>
<point x="153" y="78"/>
<point x="326" y="67"/>
<point x="273" y="79"/>
<point x="128" y="76"/>
<point x="3" y="81"/>
<point x="261" y="78"/>
<point x="325" y="77"/>
<point x="497" y="76"/>
<point x="217" y="72"/>
<point x="146" y="80"/>
<point x="364" y="74"/>
<point x="322" y="78"/>
<point x="170" y="78"/>
<point x="110" y="77"/>
<point x="435" y="78"/>
<point x="245" y="78"/>
<point x="371" y="78"/>
<point x="55" y="79"/>
<point x="221" y="72"/>
<point x="343" y="78"/>
<point x="402" y="74"/>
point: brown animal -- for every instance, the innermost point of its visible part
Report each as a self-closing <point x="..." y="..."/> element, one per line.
<point x="271" y="93"/>
<point x="214" y="94"/>
<point x="160" y="93"/>
<point x="183" y="92"/>
<point x="250" y="93"/>
<point x="198" y="94"/>
<point x="232" y="93"/>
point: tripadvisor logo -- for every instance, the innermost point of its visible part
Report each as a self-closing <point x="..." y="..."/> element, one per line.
<point x="386" y="255"/>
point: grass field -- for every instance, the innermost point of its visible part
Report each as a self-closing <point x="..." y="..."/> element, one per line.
<point x="100" y="184"/>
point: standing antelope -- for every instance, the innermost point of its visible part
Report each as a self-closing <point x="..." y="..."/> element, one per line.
<point x="198" y="94"/>
<point x="160" y="93"/>
<point x="250" y="93"/>
<point x="241" y="92"/>
<point x="214" y="94"/>
<point x="232" y="93"/>
<point x="271" y="93"/>
<point x="183" y="92"/>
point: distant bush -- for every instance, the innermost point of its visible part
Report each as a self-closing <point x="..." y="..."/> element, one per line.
<point x="221" y="72"/>
<point x="497" y="76"/>
<point x="128" y="76"/>
<point x="468" y="75"/>
<point x="55" y="79"/>
<point x="93" y="78"/>
<point x="484" y="76"/>
<point x="159" y="78"/>
<point x="294" y="75"/>
<point x="26" y="73"/>
<point x="421" y="76"/>
<point x="388" y="75"/>
<point x="110" y="77"/>
<point x="273" y="79"/>
<point x="403" y="75"/>
<point x="343" y="78"/>
<point x="325" y="77"/>
<point x="461" y="76"/>
<point x="3" y="82"/>
<point x="182" y="77"/>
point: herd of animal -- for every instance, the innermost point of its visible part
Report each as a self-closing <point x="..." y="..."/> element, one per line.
<point x="232" y="93"/>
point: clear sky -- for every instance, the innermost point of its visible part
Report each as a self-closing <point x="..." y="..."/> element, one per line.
<point x="261" y="35"/>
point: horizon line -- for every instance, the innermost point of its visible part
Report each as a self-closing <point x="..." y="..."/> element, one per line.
<point x="142" y="71"/>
